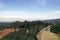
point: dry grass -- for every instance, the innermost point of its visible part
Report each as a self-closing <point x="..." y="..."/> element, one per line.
<point x="49" y="36"/>
<point x="58" y="35"/>
<point x="45" y="34"/>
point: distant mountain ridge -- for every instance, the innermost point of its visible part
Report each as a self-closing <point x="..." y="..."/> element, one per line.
<point x="21" y="19"/>
<point x="52" y="20"/>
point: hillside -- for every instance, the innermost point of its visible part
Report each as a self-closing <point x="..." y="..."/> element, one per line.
<point x="26" y="30"/>
<point x="7" y="31"/>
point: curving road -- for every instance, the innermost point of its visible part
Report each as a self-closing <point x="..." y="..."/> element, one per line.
<point x="45" y="34"/>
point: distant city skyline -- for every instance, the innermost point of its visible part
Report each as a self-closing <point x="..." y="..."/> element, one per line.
<point x="29" y="9"/>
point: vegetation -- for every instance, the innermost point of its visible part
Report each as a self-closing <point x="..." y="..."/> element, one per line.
<point x="58" y="35"/>
<point x="33" y="28"/>
<point x="56" y="29"/>
<point x="28" y="29"/>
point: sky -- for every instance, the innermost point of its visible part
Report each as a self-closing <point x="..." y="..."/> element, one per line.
<point x="30" y="9"/>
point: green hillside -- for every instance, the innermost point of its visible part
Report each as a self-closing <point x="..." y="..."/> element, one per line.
<point x="33" y="28"/>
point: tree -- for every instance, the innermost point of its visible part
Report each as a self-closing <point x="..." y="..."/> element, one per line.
<point x="55" y="28"/>
<point x="15" y="24"/>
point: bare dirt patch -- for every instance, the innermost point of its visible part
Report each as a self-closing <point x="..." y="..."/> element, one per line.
<point x="7" y="31"/>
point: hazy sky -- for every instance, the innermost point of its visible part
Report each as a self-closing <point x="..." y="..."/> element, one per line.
<point x="30" y="9"/>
